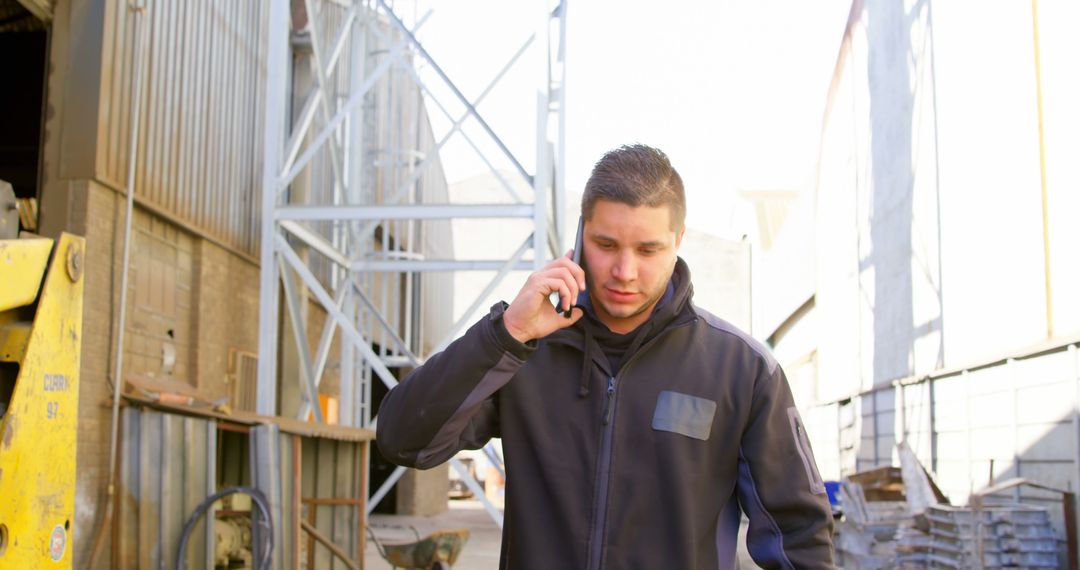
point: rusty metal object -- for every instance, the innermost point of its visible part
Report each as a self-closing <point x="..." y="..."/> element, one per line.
<point x="439" y="549"/>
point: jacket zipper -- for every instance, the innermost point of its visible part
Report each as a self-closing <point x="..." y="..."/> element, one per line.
<point x="610" y="397"/>
<point x="596" y="548"/>
<point x="600" y="506"/>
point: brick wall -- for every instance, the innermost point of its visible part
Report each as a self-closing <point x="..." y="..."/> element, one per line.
<point x="224" y="315"/>
<point x="103" y="208"/>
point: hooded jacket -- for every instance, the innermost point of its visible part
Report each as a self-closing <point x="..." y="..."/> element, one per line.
<point x="647" y="467"/>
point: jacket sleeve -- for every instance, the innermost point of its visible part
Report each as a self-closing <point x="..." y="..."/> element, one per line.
<point x="448" y="404"/>
<point x="779" y="486"/>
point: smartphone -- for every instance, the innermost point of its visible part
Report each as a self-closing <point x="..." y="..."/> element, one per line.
<point x="576" y="258"/>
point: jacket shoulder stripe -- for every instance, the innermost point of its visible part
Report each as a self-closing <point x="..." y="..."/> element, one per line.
<point x="718" y="324"/>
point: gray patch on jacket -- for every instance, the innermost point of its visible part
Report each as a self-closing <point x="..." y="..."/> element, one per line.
<point x="684" y="414"/>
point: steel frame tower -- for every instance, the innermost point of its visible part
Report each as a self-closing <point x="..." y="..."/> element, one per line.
<point x="342" y="200"/>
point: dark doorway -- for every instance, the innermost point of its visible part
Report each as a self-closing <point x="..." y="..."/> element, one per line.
<point x="381" y="468"/>
<point x="24" y="42"/>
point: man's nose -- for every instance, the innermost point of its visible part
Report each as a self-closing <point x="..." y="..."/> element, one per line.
<point x="625" y="268"/>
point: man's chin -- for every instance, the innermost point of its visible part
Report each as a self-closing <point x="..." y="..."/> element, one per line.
<point x="622" y="311"/>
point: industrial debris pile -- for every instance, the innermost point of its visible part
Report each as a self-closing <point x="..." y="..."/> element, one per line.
<point x="896" y="517"/>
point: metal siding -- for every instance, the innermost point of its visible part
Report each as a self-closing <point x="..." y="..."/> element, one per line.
<point x="198" y="154"/>
<point x="166" y="471"/>
<point x="343" y="531"/>
<point x="330" y="470"/>
<point x="324" y="480"/>
<point x="127" y="540"/>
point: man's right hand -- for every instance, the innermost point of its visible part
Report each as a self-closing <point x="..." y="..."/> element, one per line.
<point x="530" y="315"/>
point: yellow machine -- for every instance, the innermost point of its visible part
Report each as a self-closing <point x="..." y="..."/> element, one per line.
<point x="40" y="336"/>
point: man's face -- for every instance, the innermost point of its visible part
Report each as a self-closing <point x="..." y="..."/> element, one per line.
<point x="629" y="256"/>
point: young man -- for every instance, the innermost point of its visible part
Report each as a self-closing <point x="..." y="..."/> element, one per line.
<point x="636" y="430"/>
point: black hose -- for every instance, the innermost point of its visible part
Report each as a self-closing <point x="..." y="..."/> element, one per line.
<point x="259" y="562"/>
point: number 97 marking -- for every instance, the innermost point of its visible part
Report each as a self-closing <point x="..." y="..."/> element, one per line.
<point x="52" y="410"/>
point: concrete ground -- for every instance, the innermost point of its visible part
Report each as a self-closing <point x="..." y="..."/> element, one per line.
<point x="485" y="539"/>
<point x="480" y="553"/>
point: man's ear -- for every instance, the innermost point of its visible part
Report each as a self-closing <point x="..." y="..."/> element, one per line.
<point x="679" y="235"/>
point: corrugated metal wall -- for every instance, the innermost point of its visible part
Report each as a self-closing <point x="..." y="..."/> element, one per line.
<point x="167" y="468"/>
<point x="200" y="140"/>
<point x="326" y="470"/>
<point x="332" y="469"/>
<point x="169" y="465"/>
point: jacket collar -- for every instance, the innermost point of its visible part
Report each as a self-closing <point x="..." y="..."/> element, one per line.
<point x="674" y="309"/>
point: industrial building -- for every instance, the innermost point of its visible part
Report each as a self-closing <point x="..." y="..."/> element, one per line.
<point x="925" y="289"/>
<point x="267" y="248"/>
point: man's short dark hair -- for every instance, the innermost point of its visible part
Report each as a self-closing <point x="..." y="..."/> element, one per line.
<point x="636" y="175"/>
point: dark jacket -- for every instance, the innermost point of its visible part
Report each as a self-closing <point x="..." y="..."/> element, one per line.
<point x="647" y="468"/>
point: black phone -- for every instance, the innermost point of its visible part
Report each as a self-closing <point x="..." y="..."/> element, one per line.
<point x="576" y="258"/>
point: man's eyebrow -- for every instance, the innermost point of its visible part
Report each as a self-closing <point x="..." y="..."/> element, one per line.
<point x="651" y="243"/>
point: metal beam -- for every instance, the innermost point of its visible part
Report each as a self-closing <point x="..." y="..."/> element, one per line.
<point x="277" y="71"/>
<point x="477" y="490"/>
<point x="301" y="128"/>
<point x="315" y="241"/>
<point x="347" y="327"/>
<point x="398" y="343"/>
<point x="436" y="265"/>
<point x="455" y="127"/>
<point x="291" y="170"/>
<point x="323" y="350"/>
<point x="380" y="494"/>
<point x="466" y="317"/>
<point x="292" y="301"/>
<point x="403" y="212"/>
<point x="480" y="153"/>
<point x="457" y="92"/>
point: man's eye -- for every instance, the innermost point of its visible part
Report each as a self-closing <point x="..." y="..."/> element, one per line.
<point x="606" y="246"/>
<point x="648" y="251"/>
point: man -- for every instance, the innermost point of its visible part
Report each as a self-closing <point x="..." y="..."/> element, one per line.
<point x="635" y="430"/>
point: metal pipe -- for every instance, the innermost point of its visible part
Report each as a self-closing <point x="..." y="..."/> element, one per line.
<point x="138" y="8"/>
<point x="1042" y="171"/>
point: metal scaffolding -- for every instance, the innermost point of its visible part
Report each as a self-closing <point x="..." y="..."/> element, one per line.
<point x="351" y="210"/>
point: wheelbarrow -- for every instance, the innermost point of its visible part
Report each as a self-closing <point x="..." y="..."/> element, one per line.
<point x="437" y="551"/>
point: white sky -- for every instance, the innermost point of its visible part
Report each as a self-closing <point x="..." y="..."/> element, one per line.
<point x="733" y="91"/>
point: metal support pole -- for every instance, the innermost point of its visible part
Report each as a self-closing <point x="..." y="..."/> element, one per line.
<point x="277" y="83"/>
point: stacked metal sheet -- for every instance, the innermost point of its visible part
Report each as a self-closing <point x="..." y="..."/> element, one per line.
<point x="912" y="547"/>
<point x="998" y="536"/>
